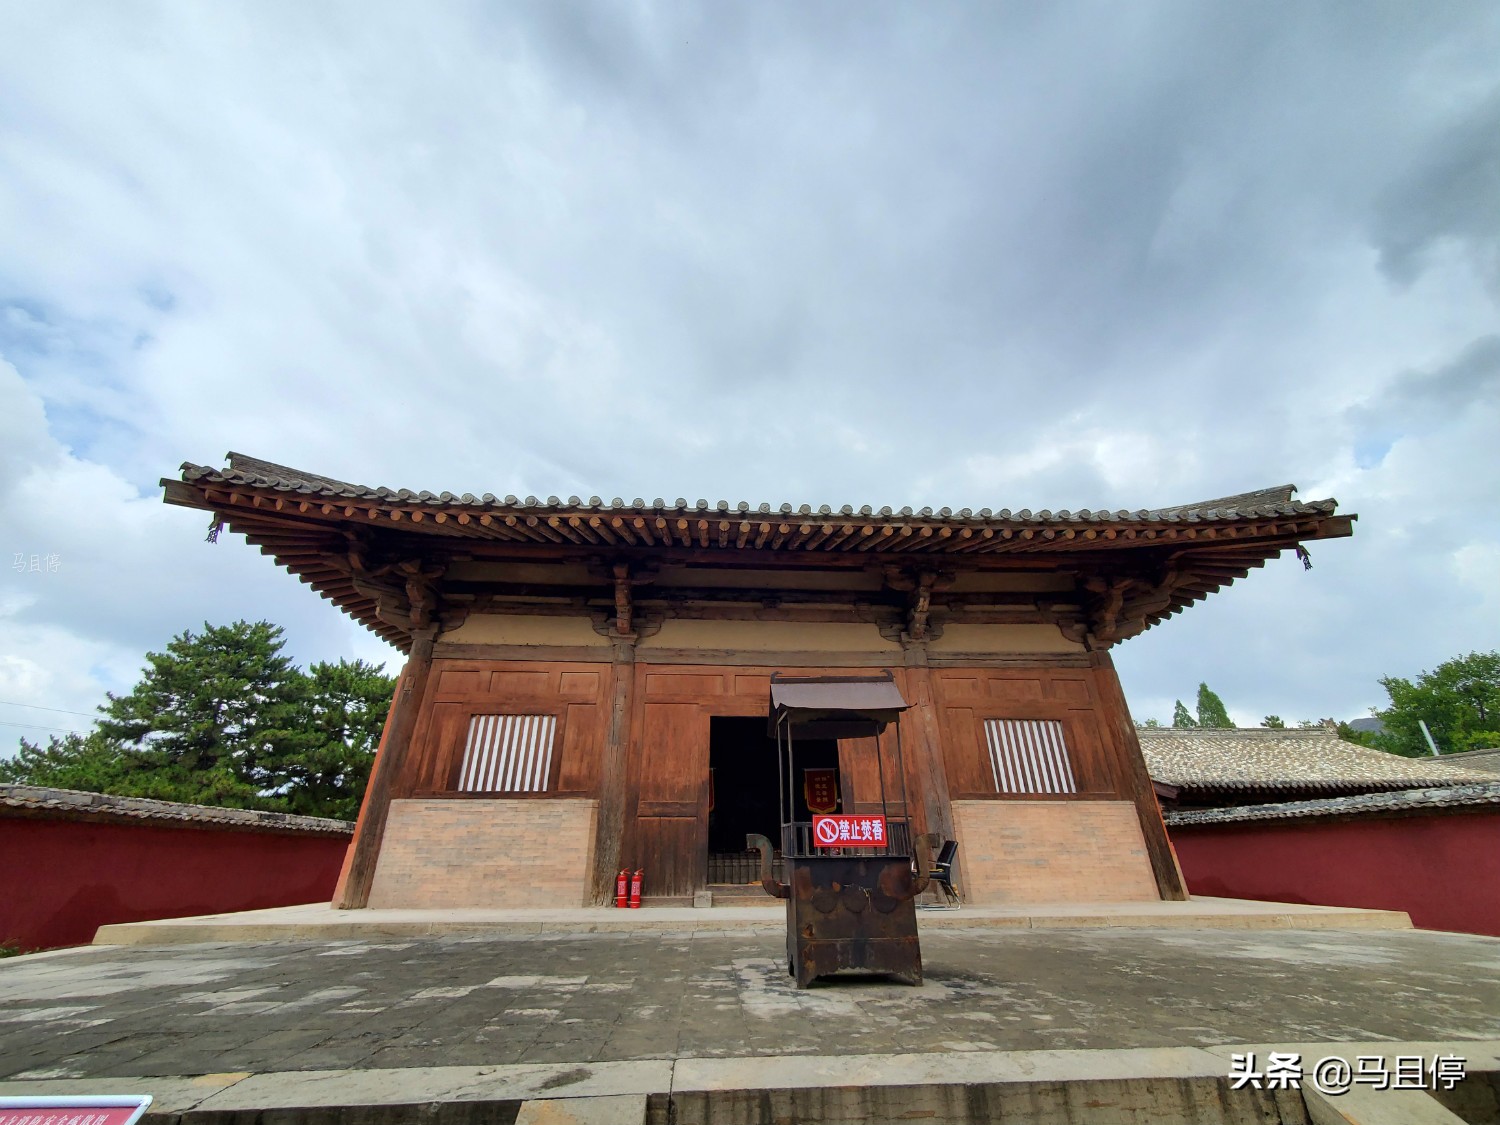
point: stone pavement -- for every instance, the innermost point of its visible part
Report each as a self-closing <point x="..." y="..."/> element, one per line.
<point x="591" y="999"/>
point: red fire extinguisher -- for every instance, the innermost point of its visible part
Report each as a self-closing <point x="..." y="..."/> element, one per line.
<point x="635" y="889"/>
<point x="622" y="887"/>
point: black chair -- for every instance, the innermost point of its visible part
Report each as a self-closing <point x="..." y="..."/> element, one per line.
<point x="942" y="869"/>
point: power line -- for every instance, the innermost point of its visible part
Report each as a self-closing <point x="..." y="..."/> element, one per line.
<point x="34" y="726"/>
<point x="39" y="707"/>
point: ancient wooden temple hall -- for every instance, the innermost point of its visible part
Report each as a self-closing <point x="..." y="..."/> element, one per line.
<point x="588" y="682"/>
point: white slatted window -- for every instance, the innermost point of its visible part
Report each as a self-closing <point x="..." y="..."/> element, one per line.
<point x="1029" y="756"/>
<point x="508" y="754"/>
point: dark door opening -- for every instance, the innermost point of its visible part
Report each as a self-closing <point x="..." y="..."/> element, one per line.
<point x="746" y="784"/>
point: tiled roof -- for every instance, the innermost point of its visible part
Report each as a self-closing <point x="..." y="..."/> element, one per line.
<point x="1487" y="760"/>
<point x="73" y="804"/>
<point x="1365" y="804"/>
<point x="1152" y="562"/>
<point x="1266" y="503"/>
<point x="1239" y="760"/>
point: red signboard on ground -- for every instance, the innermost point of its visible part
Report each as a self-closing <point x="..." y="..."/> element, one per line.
<point x="849" y="831"/>
<point x="124" y="1110"/>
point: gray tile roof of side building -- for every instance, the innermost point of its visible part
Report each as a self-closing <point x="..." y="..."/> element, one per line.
<point x="74" y="804"/>
<point x="1487" y="760"/>
<point x="1263" y="503"/>
<point x="1312" y="759"/>
<point x="1399" y="802"/>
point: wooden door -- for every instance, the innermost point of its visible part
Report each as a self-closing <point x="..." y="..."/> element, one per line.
<point x="671" y="772"/>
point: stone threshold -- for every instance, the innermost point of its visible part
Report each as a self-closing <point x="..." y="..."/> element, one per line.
<point x="319" y="921"/>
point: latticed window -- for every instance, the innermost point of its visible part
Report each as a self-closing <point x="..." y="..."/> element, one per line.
<point x="1029" y="756"/>
<point x="508" y="754"/>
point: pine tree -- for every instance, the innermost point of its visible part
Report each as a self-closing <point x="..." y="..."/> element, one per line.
<point x="322" y="770"/>
<point x="1180" y="717"/>
<point x="1211" y="710"/>
<point x="207" y="716"/>
<point x="223" y="718"/>
<point x="88" y="762"/>
<point x="1274" y="722"/>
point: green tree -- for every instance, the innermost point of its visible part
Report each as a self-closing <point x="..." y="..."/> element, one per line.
<point x="323" y="769"/>
<point x="223" y="718"/>
<point x="1459" y="700"/>
<point x="1180" y="717"/>
<point x="1211" y="709"/>
<point x="208" y="716"/>
<point x="89" y="762"/>
<point x="1274" y="722"/>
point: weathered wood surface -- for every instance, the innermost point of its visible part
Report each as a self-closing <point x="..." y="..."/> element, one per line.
<point x="635" y="735"/>
<point x="1137" y="782"/>
<point x="353" y="889"/>
<point x="612" y="774"/>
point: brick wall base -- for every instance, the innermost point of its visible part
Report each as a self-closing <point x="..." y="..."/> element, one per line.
<point x="440" y="854"/>
<point x="1015" y="852"/>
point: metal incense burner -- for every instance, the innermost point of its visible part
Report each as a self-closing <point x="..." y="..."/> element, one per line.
<point x="853" y="878"/>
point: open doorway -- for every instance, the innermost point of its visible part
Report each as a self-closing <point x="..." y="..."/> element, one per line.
<point x="745" y="788"/>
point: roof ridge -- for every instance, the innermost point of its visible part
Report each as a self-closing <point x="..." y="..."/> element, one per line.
<point x="87" y="801"/>
<point x="1416" y="798"/>
<point x="1319" y="731"/>
<point x="1276" y="494"/>
<point x="1273" y="502"/>
<point x="255" y="466"/>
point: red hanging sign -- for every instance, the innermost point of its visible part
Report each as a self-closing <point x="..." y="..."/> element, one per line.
<point x="848" y="831"/>
<point x="820" y="788"/>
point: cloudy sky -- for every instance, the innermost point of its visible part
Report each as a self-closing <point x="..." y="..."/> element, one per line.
<point x="987" y="255"/>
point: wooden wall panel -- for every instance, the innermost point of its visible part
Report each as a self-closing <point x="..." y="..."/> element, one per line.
<point x="458" y="681"/>
<point x="966" y="697"/>
<point x="581" y="685"/>
<point x="439" y="736"/>
<point x="673" y="776"/>
<point x="516" y="682"/>
<point x="859" y="778"/>
<point x="684" y="683"/>
<point x="1015" y="689"/>
<point x="671" y="852"/>
<point x="965" y="754"/>
<point x="863" y="762"/>
<point x="576" y="694"/>
<point x="579" y="742"/>
<point x="1093" y="756"/>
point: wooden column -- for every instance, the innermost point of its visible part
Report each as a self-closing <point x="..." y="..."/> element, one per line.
<point x="925" y="747"/>
<point x="1137" y="781"/>
<point x="612" y="779"/>
<point x="353" y="890"/>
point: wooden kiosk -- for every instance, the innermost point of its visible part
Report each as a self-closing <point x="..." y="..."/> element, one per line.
<point x="850" y="894"/>
<point x="587" y="680"/>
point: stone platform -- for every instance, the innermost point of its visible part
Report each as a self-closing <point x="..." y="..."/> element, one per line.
<point x="1048" y="1024"/>
<point x="319" y="921"/>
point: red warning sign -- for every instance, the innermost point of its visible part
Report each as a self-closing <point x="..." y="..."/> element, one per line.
<point x="99" y="1110"/>
<point x="847" y="831"/>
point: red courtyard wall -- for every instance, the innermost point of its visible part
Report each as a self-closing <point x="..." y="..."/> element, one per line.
<point x="60" y="880"/>
<point x="1443" y="870"/>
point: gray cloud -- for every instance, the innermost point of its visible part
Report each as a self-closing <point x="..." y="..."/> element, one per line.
<point x="1008" y="255"/>
<point x="1451" y="193"/>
